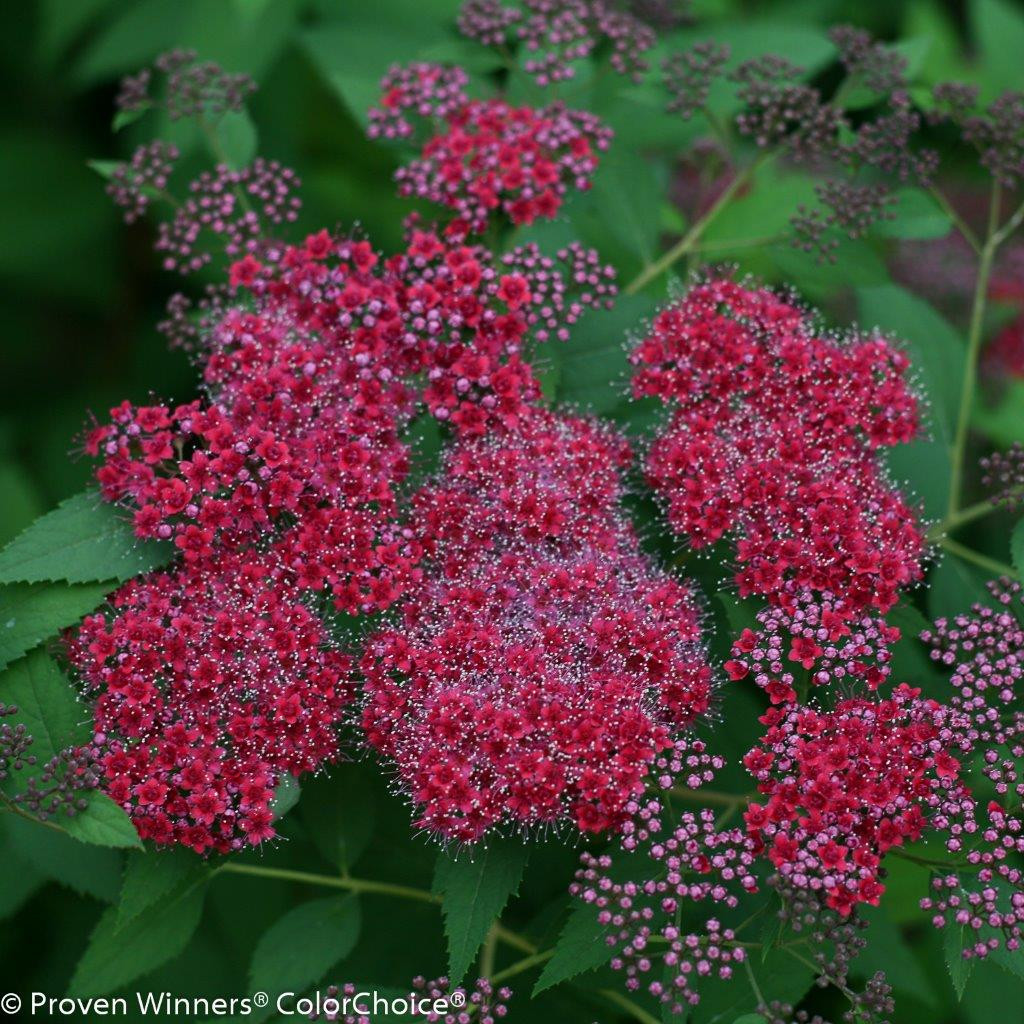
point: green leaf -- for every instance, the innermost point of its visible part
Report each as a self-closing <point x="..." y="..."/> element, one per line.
<point x="935" y="348"/>
<point x="102" y="823"/>
<point x="303" y="945"/>
<point x="887" y="950"/>
<point x="124" y="118"/>
<point x="105" y="169"/>
<point x="47" y="705"/>
<point x="116" y="956"/>
<point x="998" y="27"/>
<point x="148" y="877"/>
<point x="354" y="50"/>
<point x="593" y="362"/>
<point x="917" y="215"/>
<point x="236" y="138"/>
<point x="90" y="870"/>
<point x="83" y="540"/>
<point x="33" y="612"/>
<point x="581" y="947"/>
<point x="954" y="585"/>
<point x="750" y="1018"/>
<point x="1017" y="547"/>
<point x="19" y="880"/>
<point x="474" y="891"/>
<point x="339" y="813"/>
<point x="959" y="968"/>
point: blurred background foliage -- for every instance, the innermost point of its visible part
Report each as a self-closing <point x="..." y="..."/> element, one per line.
<point x="81" y="295"/>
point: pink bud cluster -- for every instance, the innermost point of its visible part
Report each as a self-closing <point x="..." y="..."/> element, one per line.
<point x="544" y="664"/>
<point x="557" y="34"/>
<point x="235" y="207"/>
<point x="774" y="439"/>
<point x="985" y="650"/>
<point x="834" y="645"/>
<point x="690" y="861"/>
<point x="484" y="156"/>
<point x="210" y="684"/>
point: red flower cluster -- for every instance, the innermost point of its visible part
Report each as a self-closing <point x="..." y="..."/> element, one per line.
<point x="210" y="684"/>
<point x="543" y="665"/>
<point x="487" y="155"/>
<point x="773" y="438"/>
<point x="846" y="785"/>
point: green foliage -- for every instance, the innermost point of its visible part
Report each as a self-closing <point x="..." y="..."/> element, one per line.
<point x="102" y="823"/>
<point x="118" y="954"/>
<point x="580" y="947"/>
<point x="474" y="889"/>
<point x="959" y="968"/>
<point x="301" y="947"/>
<point x="149" y="876"/>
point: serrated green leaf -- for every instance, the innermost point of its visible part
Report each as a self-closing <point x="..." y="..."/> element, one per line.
<point x="148" y="877"/>
<point x="47" y="706"/>
<point x="959" y="968"/>
<point x="33" y="612"/>
<point x="474" y="890"/>
<point x="83" y="540"/>
<point x="116" y="956"/>
<point x="102" y="823"/>
<point x="303" y="945"/>
<point x="581" y="947"/>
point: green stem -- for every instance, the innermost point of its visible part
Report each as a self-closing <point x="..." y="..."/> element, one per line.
<point x="758" y="994"/>
<point x="961" y="225"/>
<point x="365" y="885"/>
<point x="12" y="808"/>
<point x="690" y="239"/>
<point x="928" y="862"/>
<point x="974" y="336"/>
<point x="962" y="517"/>
<point x="636" y="1012"/>
<point x="710" y="796"/>
<point x="488" y="953"/>
<point x="522" y="965"/>
<point x="980" y="560"/>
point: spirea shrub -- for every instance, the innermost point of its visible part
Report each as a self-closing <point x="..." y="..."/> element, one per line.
<point x="553" y="560"/>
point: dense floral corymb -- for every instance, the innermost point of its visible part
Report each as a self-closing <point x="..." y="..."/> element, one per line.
<point x="482" y="156"/>
<point x="209" y="684"/>
<point x="773" y="439"/>
<point x="544" y="664"/>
